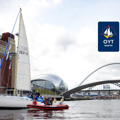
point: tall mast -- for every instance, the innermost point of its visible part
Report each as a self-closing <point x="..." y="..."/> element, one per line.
<point x="16" y="61"/>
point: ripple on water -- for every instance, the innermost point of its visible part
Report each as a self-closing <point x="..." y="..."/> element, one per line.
<point x="78" y="110"/>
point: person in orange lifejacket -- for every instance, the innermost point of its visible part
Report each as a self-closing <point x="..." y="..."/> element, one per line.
<point x="54" y="100"/>
<point x="61" y="100"/>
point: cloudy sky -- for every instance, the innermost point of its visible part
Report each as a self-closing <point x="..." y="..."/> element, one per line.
<point x="63" y="36"/>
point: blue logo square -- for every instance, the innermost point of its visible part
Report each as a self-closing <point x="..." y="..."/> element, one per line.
<point x="108" y="36"/>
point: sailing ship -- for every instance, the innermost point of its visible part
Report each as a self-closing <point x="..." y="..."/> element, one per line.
<point x="21" y="68"/>
<point x="107" y="33"/>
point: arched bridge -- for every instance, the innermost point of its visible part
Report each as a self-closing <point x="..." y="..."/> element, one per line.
<point x="97" y="70"/>
<point x="67" y="93"/>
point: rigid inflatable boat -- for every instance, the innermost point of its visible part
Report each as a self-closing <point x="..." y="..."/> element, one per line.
<point x="48" y="107"/>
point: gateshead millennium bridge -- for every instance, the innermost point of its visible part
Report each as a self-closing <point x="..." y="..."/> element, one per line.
<point x="81" y="87"/>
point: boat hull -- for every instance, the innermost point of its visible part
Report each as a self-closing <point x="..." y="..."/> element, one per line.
<point x="48" y="107"/>
<point x="8" y="102"/>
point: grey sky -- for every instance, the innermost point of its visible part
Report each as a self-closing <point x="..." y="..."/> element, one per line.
<point x="62" y="35"/>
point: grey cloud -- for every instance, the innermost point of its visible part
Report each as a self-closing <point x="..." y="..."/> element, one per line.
<point x="64" y="41"/>
<point x="107" y="73"/>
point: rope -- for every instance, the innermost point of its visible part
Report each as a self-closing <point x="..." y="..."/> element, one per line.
<point x="8" y="78"/>
<point x="6" y="83"/>
<point x="3" y="74"/>
<point x="2" y="80"/>
<point x="9" y="41"/>
<point x="3" y="71"/>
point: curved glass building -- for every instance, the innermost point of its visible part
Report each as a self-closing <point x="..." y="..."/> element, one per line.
<point x="49" y="82"/>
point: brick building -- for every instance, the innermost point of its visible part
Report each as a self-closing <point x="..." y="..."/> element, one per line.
<point x="7" y="73"/>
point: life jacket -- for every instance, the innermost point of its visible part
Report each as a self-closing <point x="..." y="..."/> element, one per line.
<point x="61" y="100"/>
<point x="46" y="102"/>
<point x="49" y="102"/>
<point x="55" y="100"/>
<point x="34" y="102"/>
<point x="43" y="98"/>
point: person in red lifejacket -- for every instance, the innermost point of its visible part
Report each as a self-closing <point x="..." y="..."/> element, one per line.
<point x="46" y="101"/>
<point x="34" y="102"/>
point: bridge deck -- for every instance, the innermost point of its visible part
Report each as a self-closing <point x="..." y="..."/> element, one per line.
<point x="79" y="88"/>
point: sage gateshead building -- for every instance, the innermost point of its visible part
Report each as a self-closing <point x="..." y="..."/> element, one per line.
<point x="49" y="82"/>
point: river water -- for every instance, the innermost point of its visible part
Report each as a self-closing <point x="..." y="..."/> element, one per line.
<point x="78" y="110"/>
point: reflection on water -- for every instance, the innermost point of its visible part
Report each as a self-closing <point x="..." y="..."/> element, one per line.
<point x="45" y="114"/>
<point x="78" y="110"/>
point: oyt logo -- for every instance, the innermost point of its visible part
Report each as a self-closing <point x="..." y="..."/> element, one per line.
<point x="108" y="36"/>
<point x="108" y="33"/>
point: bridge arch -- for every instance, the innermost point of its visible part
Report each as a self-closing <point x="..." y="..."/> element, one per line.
<point x="67" y="93"/>
<point x="96" y="71"/>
